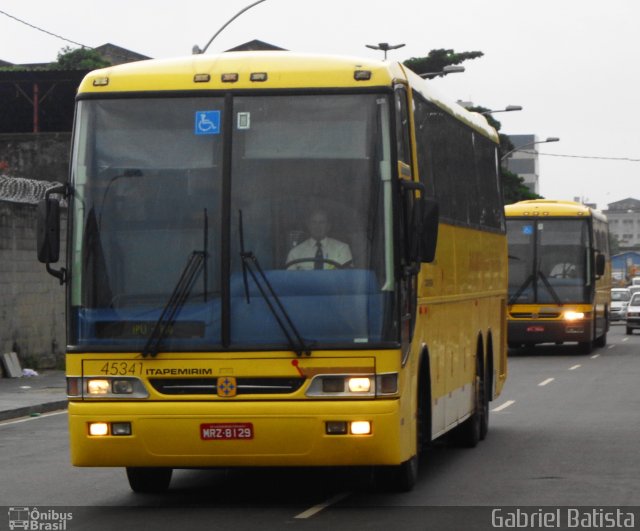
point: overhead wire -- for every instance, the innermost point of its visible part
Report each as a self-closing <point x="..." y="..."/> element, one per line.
<point x="624" y="159"/>
<point x="44" y="30"/>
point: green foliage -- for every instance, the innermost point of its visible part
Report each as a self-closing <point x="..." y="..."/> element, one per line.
<point x="79" y="59"/>
<point x="438" y="59"/>
<point x="514" y="188"/>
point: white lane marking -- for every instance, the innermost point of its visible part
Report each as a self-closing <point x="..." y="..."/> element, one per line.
<point x="317" y="508"/>
<point x="545" y="382"/>
<point x="595" y="356"/>
<point x="27" y="419"/>
<point x="611" y="346"/>
<point x="504" y="406"/>
<point x="575" y="367"/>
<point x="625" y="339"/>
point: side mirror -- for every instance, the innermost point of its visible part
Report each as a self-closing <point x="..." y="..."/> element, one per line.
<point x="600" y="264"/>
<point x="429" y="229"/>
<point x="48" y="231"/>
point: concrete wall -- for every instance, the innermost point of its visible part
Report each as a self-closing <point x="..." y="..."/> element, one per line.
<point x="43" y="156"/>
<point x="32" y="303"/>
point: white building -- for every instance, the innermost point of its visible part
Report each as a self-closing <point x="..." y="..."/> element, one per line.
<point x="524" y="162"/>
<point x="624" y="221"/>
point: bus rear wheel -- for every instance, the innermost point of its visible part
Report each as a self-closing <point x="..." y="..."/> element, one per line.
<point x="142" y="479"/>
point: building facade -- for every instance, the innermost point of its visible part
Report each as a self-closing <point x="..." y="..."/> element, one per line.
<point x="524" y="161"/>
<point x="624" y="221"/>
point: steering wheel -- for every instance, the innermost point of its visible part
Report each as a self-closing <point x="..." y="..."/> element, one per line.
<point x="335" y="264"/>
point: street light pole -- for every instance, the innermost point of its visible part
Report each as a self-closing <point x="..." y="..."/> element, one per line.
<point x="385" y="47"/>
<point x="549" y="139"/>
<point x="197" y="50"/>
<point x="508" y="108"/>
<point x="449" y="69"/>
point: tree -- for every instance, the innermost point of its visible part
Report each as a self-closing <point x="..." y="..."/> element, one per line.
<point x="436" y="60"/>
<point x="79" y="59"/>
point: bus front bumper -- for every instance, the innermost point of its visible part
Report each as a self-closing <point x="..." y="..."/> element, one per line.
<point x="173" y="434"/>
<point x="547" y="331"/>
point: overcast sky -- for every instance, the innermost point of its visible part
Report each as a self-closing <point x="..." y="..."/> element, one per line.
<point x="573" y="66"/>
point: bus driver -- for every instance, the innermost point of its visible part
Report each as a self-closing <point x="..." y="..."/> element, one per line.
<point x="319" y="251"/>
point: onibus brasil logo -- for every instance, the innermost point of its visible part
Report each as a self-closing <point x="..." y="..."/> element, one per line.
<point x="38" y="520"/>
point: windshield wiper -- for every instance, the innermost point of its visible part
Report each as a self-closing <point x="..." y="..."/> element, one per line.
<point x="175" y="303"/>
<point x="251" y="265"/>
<point x="530" y="280"/>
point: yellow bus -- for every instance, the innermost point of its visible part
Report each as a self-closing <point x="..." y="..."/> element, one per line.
<point x="199" y="335"/>
<point x="559" y="274"/>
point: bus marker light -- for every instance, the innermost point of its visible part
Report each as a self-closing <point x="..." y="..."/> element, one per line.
<point x="98" y="429"/>
<point x="362" y="75"/>
<point x="201" y="78"/>
<point x="121" y="428"/>
<point x="229" y="77"/>
<point x="361" y="427"/>
<point x="73" y="386"/>
<point x="258" y="76"/>
<point x="388" y="383"/>
<point x="336" y="427"/>
<point x="101" y="82"/>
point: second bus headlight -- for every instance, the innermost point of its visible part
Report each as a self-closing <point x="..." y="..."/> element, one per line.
<point x="573" y="316"/>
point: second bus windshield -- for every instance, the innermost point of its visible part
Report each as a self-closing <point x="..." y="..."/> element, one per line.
<point x="549" y="261"/>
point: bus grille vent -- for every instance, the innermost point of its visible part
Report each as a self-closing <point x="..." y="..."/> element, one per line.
<point x="208" y="386"/>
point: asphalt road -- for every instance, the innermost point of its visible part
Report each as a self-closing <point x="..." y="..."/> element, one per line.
<point x="565" y="432"/>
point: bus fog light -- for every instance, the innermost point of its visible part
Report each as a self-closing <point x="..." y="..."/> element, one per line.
<point x="98" y="387"/>
<point x="361" y="427"/>
<point x="336" y="427"/>
<point x="122" y="387"/>
<point x="333" y="385"/>
<point x="387" y="383"/>
<point x="121" y="428"/>
<point x="98" y="429"/>
<point x="359" y="385"/>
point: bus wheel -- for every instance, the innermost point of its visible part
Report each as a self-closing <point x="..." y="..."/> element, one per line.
<point x="149" y="479"/>
<point x="400" y="478"/>
<point x="602" y="340"/>
<point x="629" y="331"/>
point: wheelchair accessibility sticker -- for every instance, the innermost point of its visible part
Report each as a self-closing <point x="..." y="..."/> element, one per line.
<point x="207" y="123"/>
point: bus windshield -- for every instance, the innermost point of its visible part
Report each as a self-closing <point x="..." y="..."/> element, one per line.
<point x="549" y="261"/>
<point x="160" y="185"/>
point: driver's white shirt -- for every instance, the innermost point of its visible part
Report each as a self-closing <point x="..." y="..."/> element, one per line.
<point x="331" y="250"/>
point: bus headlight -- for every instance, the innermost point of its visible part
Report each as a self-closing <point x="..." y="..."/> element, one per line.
<point x="116" y="387"/>
<point x="352" y="385"/>
<point x="573" y="316"/>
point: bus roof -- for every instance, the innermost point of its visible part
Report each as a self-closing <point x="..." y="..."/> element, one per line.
<point x="283" y="69"/>
<point x="551" y="208"/>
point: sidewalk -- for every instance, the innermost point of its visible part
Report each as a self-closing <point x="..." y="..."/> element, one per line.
<point x="21" y="397"/>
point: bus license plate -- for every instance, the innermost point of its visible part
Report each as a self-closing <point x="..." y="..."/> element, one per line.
<point x="535" y="329"/>
<point x="226" y="431"/>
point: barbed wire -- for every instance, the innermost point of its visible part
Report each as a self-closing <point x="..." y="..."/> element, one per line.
<point x="22" y="190"/>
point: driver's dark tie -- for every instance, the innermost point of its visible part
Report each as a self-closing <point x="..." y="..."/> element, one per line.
<point x="318" y="262"/>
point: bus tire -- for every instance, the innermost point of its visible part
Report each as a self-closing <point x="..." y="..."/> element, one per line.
<point x="398" y="478"/>
<point x="149" y="479"/>
<point x="629" y="331"/>
<point x="602" y="340"/>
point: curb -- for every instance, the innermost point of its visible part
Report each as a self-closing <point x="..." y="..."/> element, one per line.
<point x="33" y="410"/>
